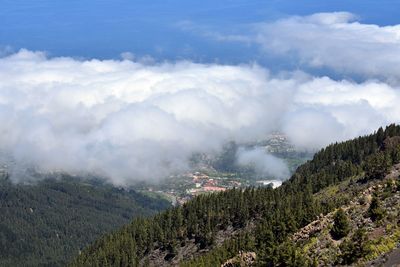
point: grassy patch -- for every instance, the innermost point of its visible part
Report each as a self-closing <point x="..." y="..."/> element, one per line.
<point x="383" y="244"/>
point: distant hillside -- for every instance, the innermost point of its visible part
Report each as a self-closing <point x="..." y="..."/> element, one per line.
<point x="46" y="224"/>
<point x="261" y="222"/>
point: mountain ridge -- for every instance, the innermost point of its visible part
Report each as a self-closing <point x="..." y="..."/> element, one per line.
<point x="276" y="213"/>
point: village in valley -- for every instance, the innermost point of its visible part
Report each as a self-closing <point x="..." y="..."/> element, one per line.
<point x="179" y="189"/>
<point x="206" y="179"/>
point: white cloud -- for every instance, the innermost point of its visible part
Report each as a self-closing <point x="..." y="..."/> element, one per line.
<point x="263" y="163"/>
<point x="335" y="40"/>
<point x="338" y="41"/>
<point x="127" y="56"/>
<point x="207" y="32"/>
<point x="132" y="121"/>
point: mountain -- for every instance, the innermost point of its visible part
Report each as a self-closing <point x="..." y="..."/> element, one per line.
<point x="47" y="223"/>
<point x="268" y="227"/>
<point x="364" y="230"/>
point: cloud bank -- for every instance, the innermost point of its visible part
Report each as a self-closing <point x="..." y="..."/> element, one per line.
<point x="131" y="121"/>
<point x="338" y="41"/>
<point x="334" y="40"/>
<point x="125" y="120"/>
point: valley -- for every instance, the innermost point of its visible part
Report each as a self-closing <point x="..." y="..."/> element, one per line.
<point x="209" y="175"/>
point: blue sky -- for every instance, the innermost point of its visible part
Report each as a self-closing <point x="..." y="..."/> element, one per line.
<point x="104" y="29"/>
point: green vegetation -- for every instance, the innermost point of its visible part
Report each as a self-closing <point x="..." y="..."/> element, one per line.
<point x="262" y="218"/>
<point x="383" y="244"/>
<point x="377" y="165"/>
<point x="341" y="225"/>
<point x="354" y="248"/>
<point x="375" y="210"/>
<point x="46" y="224"/>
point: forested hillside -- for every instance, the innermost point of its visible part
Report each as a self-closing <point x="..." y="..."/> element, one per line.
<point x="363" y="232"/>
<point x="46" y="224"/>
<point x="211" y="229"/>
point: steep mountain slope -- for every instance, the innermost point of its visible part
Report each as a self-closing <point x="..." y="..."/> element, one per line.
<point x="372" y="232"/>
<point x="46" y="224"/>
<point x="209" y="230"/>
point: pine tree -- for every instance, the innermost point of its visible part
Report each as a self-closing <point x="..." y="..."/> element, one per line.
<point x="341" y="225"/>
<point x="354" y="248"/>
<point x="375" y="210"/>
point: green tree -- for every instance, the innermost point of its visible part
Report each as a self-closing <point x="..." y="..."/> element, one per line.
<point x="375" y="210"/>
<point x="355" y="248"/>
<point x="377" y="166"/>
<point x="341" y="225"/>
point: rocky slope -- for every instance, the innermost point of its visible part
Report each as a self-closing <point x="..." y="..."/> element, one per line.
<point x="380" y="239"/>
